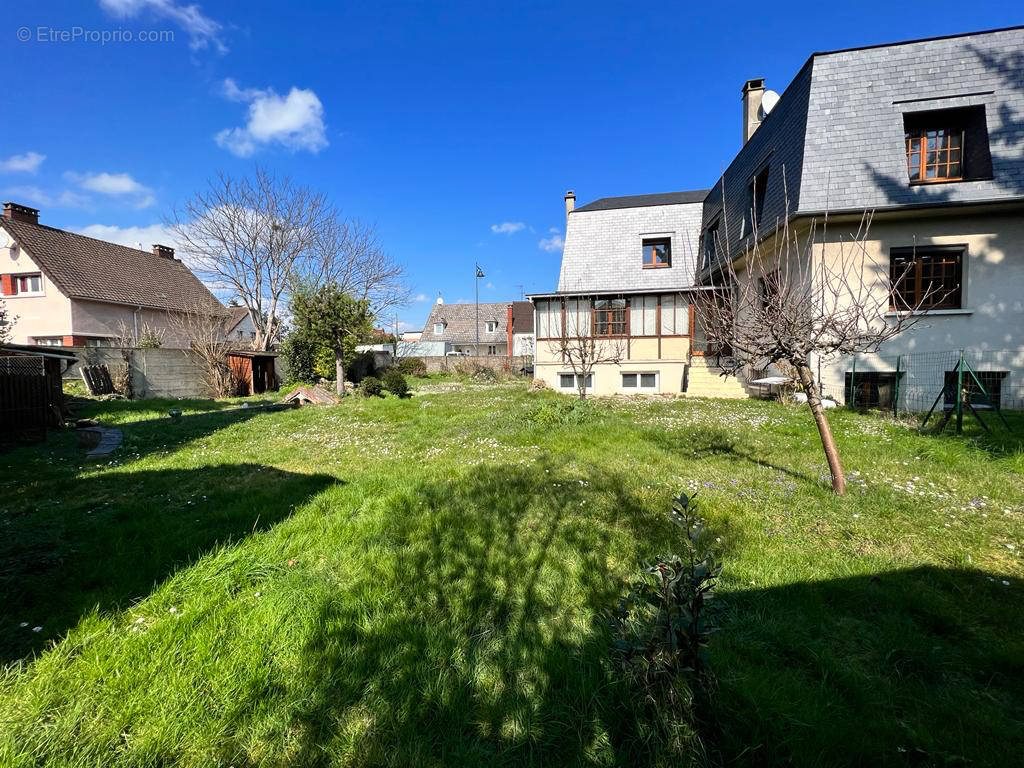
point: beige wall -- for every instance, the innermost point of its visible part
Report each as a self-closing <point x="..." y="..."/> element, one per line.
<point x="46" y="315"/>
<point x="93" y="318"/>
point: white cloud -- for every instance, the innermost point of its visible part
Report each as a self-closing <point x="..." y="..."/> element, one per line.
<point x="295" y="121"/>
<point x="489" y="286"/>
<point x="507" y="227"/>
<point x="203" y="31"/>
<point x="26" y="163"/>
<point x="120" y="186"/>
<point x="551" y="244"/>
<point x="33" y="194"/>
<point x="421" y="297"/>
<point x="130" y="236"/>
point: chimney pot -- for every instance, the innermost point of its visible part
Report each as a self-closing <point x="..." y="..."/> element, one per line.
<point x="163" y="250"/>
<point x="570" y="203"/>
<point x="753" y="92"/>
<point x="17" y="212"/>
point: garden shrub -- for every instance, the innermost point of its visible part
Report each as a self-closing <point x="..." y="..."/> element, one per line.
<point x="565" y="411"/>
<point x="412" y="366"/>
<point x="371" y="386"/>
<point x="395" y="383"/>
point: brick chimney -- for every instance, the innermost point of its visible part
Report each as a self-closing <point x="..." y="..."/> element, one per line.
<point x="163" y="250"/>
<point x="753" y="91"/>
<point x="16" y="212"/>
<point x="570" y="203"/>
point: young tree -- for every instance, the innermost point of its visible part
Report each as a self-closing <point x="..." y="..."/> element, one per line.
<point x="206" y="330"/>
<point x="330" y="315"/>
<point x="800" y="302"/>
<point x="590" y="336"/>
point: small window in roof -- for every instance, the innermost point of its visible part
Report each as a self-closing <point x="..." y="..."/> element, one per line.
<point x="947" y="145"/>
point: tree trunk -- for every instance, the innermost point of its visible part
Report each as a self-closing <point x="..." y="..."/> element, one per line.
<point x="824" y="430"/>
<point x="339" y="373"/>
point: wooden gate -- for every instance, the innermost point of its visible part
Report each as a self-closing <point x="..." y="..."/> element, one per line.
<point x="24" y="396"/>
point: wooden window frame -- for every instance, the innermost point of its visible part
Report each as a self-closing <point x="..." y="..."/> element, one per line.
<point x="917" y="143"/>
<point x="666" y="241"/>
<point x="614" y="328"/>
<point x="920" y="257"/>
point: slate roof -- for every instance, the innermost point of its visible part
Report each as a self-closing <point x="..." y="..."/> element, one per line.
<point x="640" y="201"/>
<point x="85" y="268"/>
<point x="835" y="140"/>
<point x="460" y="323"/>
<point x="604" y="248"/>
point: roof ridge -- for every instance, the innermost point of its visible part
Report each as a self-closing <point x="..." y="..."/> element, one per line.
<point x="88" y="237"/>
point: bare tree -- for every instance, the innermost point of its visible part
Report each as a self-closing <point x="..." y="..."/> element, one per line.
<point x="590" y="336"/>
<point x="798" y="300"/>
<point x="205" y="329"/>
<point x="7" y="321"/>
<point x="253" y="236"/>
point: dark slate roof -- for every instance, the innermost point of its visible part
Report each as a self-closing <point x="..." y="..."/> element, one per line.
<point x="522" y="317"/>
<point x="837" y="131"/>
<point x="460" y="323"/>
<point x="85" y="268"/>
<point x="641" y="201"/>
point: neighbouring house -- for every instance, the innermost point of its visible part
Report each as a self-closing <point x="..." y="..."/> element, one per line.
<point x="74" y="291"/>
<point x="240" y="328"/>
<point x="521" y="338"/>
<point x="926" y="134"/>
<point x="485" y="330"/>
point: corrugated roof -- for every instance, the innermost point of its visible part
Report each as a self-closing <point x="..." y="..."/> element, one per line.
<point x="641" y="201"/>
<point x="86" y="268"/>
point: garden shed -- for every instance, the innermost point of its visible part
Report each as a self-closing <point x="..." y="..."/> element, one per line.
<point x="31" y="391"/>
<point x="253" y="370"/>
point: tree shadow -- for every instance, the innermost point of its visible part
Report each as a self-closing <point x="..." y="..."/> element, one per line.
<point x="923" y="666"/>
<point x="104" y="542"/>
<point x="493" y="647"/>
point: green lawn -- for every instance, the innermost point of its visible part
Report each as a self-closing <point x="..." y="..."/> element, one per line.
<point x="422" y="582"/>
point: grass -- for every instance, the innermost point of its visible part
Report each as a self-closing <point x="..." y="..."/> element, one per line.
<point x="422" y="582"/>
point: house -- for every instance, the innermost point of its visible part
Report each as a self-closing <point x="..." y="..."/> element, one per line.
<point x="456" y="328"/>
<point x="240" y="328"/>
<point x="521" y="339"/>
<point x="927" y="134"/>
<point x="628" y="276"/>
<point x="69" y="290"/>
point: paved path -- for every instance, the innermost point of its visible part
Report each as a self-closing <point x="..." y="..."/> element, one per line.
<point x="110" y="439"/>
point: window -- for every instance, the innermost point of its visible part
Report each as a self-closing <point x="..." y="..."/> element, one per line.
<point x="930" y="277"/>
<point x="947" y="145"/>
<point x="755" y="197"/>
<point x="48" y="341"/>
<point x="491" y="326"/>
<point x="711" y="242"/>
<point x="549" y="319"/>
<point x="438" y="329"/>
<point x="657" y="253"/>
<point x="569" y="381"/>
<point x="643" y="316"/>
<point x="577" y="318"/>
<point x="675" y="315"/>
<point x="492" y="349"/>
<point x="23" y="285"/>
<point x="992" y="381"/>
<point x="610" y="317"/>
<point x="640" y="382"/>
<point x="870" y="389"/>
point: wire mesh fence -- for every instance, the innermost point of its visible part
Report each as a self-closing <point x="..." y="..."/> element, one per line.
<point x="921" y="381"/>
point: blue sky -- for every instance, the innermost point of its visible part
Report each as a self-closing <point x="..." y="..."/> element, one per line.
<point x="454" y="127"/>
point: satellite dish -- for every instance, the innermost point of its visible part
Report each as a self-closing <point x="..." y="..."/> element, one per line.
<point x="768" y="101"/>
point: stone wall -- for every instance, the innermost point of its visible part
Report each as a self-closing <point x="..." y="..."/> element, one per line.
<point x="469" y="363"/>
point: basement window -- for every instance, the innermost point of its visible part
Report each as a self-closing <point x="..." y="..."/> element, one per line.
<point x="640" y="382"/>
<point x="947" y="145"/>
<point x="992" y="381"/>
<point x="870" y="389"/>
<point x="570" y="381"/>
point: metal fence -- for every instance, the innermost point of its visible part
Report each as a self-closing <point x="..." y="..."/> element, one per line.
<point x="24" y="395"/>
<point x="920" y="381"/>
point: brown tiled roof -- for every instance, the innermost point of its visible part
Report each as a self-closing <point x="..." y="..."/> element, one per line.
<point x="85" y="268"/>
<point x="522" y="317"/>
<point x="238" y="314"/>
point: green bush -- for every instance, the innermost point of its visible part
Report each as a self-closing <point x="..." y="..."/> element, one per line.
<point x="371" y="386"/>
<point x="565" y="411"/>
<point x="412" y="366"/>
<point x="395" y="383"/>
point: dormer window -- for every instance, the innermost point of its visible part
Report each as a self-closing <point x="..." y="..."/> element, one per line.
<point x="944" y="145"/>
<point x="711" y="241"/>
<point x="657" y="253"/>
<point x="438" y="329"/>
<point x="491" y="326"/>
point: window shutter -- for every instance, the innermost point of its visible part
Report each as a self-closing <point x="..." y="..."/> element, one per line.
<point x="8" y="288"/>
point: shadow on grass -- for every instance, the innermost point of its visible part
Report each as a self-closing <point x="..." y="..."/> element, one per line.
<point x="492" y="648"/>
<point x="912" y="667"/>
<point x="106" y="541"/>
